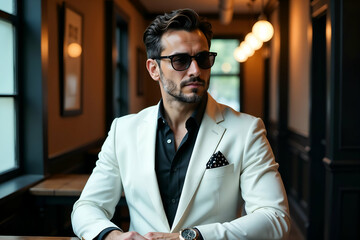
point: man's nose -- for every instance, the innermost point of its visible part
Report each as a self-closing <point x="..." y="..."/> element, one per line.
<point x="194" y="69"/>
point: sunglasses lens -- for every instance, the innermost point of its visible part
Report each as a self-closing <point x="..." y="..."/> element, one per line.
<point x="205" y="60"/>
<point x="181" y="61"/>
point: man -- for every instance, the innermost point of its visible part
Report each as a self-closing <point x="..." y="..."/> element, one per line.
<point x="189" y="164"/>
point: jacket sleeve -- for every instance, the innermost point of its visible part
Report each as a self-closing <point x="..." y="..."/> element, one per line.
<point x="92" y="212"/>
<point x="263" y="192"/>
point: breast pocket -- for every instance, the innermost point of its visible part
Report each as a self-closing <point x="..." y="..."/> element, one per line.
<point x="219" y="172"/>
<point x="212" y="189"/>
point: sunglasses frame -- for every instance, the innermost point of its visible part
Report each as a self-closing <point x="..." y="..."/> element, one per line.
<point x="171" y="57"/>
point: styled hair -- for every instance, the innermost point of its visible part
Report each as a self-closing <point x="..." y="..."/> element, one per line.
<point x="182" y="19"/>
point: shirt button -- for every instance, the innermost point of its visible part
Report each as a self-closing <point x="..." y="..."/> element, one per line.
<point x="169" y="140"/>
<point x="173" y="200"/>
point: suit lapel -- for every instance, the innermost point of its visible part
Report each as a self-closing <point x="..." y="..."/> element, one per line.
<point x="146" y="136"/>
<point x="209" y="136"/>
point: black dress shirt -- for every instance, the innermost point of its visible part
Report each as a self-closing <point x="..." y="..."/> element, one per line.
<point x="170" y="163"/>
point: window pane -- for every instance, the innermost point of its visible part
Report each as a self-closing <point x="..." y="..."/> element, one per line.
<point x="8" y="133"/>
<point x="225" y="62"/>
<point x="226" y="90"/>
<point x="6" y="58"/>
<point x="7" y="6"/>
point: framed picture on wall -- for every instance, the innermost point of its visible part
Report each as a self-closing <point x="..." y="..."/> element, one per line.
<point x="71" y="60"/>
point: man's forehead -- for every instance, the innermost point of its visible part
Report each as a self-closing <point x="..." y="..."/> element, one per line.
<point x="173" y="37"/>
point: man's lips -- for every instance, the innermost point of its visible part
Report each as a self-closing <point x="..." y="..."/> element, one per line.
<point x="194" y="84"/>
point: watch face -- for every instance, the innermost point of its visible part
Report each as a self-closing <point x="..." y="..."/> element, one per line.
<point x="188" y="234"/>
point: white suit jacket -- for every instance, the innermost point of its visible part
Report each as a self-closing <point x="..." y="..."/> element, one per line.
<point x="211" y="199"/>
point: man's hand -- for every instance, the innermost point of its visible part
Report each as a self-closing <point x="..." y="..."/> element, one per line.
<point x="118" y="235"/>
<point x="162" y="236"/>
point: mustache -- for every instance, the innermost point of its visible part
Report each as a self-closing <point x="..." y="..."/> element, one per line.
<point x="192" y="80"/>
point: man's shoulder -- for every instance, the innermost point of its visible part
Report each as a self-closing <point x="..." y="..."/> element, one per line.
<point x="230" y="114"/>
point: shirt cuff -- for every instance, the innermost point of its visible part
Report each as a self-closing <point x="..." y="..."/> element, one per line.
<point x="104" y="232"/>
<point x="200" y="236"/>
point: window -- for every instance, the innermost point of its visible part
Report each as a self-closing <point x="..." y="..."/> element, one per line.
<point x="8" y="88"/>
<point x="225" y="74"/>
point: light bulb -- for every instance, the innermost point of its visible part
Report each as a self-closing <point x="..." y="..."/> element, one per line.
<point x="263" y="30"/>
<point x="74" y="50"/>
<point x="247" y="48"/>
<point x="253" y="41"/>
<point x="240" y="55"/>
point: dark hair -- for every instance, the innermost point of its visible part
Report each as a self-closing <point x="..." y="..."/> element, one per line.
<point x="182" y="19"/>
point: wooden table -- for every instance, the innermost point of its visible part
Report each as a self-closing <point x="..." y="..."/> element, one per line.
<point x="36" y="238"/>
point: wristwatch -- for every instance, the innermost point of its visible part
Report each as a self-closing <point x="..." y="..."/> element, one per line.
<point x="189" y="234"/>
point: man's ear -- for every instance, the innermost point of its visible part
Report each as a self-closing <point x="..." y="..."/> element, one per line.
<point x="153" y="69"/>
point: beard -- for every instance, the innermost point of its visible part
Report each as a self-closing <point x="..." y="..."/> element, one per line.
<point x="171" y="88"/>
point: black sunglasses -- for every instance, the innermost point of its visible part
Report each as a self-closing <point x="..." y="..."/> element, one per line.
<point x="182" y="61"/>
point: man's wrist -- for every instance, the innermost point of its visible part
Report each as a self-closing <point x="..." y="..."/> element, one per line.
<point x="113" y="234"/>
<point x="199" y="234"/>
<point x="190" y="233"/>
<point x="104" y="233"/>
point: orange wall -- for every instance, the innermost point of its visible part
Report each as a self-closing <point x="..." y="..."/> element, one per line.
<point x="299" y="66"/>
<point x="253" y="84"/>
<point x="274" y="68"/>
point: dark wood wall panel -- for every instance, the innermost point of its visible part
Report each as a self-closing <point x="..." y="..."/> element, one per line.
<point x="343" y="129"/>
<point x="298" y="190"/>
<point x="350" y="74"/>
<point x="342" y="218"/>
<point x="349" y="210"/>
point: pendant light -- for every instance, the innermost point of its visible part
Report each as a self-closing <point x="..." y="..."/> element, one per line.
<point x="263" y="29"/>
<point x="240" y="55"/>
<point x="253" y="41"/>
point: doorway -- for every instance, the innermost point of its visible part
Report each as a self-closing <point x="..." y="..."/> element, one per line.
<point x="116" y="63"/>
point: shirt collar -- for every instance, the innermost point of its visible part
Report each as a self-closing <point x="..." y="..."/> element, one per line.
<point x="195" y="117"/>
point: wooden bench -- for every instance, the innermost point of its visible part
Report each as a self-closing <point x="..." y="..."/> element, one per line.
<point x="61" y="185"/>
<point x="62" y="189"/>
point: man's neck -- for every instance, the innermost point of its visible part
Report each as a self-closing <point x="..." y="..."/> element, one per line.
<point x="176" y="113"/>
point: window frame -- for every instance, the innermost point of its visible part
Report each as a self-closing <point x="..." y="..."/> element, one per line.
<point x="13" y="19"/>
<point x="31" y="59"/>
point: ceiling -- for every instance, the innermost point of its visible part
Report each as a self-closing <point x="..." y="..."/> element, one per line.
<point x="204" y="7"/>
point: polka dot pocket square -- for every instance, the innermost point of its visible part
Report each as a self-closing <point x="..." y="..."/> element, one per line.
<point x="217" y="160"/>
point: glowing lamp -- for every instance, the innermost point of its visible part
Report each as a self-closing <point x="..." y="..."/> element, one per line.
<point x="263" y="30"/>
<point x="253" y="41"/>
<point x="74" y="50"/>
<point x="240" y="55"/>
<point x="247" y="48"/>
